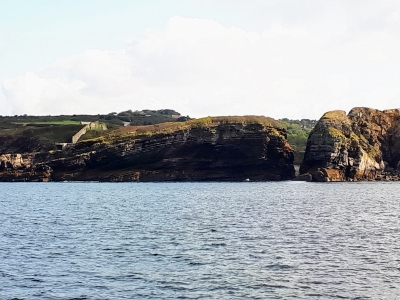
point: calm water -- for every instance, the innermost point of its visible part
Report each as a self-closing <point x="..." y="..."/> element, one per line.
<point x="289" y="240"/>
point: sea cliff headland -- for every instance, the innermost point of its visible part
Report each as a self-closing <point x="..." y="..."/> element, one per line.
<point x="362" y="145"/>
<point x="209" y="149"/>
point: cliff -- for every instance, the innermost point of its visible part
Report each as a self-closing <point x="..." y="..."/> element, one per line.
<point x="209" y="149"/>
<point x="363" y="145"/>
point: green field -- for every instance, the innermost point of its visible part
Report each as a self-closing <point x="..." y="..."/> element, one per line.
<point x="64" y="122"/>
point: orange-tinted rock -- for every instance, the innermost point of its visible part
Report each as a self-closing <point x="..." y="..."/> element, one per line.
<point x="363" y="145"/>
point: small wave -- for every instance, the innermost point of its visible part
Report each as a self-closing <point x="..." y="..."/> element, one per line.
<point x="218" y="244"/>
<point x="274" y="286"/>
<point x="279" y="266"/>
<point x="156" y="254"/>
<point x="37" y="279"/>
<point x="194" y="263"/>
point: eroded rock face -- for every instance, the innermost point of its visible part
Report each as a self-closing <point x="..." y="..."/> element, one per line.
<point x="221" y="152"/>
<point x="363" y="145"/>
<point x="18" y="167"/>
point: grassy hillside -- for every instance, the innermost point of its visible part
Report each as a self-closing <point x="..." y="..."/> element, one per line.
<point x="144" y="117"/>
<point x="60" y="129"/>
<point x="45" y="134"/>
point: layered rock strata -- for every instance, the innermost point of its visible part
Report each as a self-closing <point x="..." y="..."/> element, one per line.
<point x="363" y="145"/>
<point x="212" y="150"/>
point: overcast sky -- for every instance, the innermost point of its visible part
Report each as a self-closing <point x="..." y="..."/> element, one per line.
<point x="278" y="58"/>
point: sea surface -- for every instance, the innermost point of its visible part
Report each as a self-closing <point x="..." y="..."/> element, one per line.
<point x="269" y="240"/>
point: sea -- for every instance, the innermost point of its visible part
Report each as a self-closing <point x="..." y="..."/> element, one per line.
<point x="211" y="240"/>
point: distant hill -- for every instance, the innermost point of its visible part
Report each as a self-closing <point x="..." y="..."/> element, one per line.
<point x="129" y="117"/>
<point x="143" y="117"/>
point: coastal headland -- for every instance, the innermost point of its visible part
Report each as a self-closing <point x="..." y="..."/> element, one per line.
<point x="210" y="149"/>
<point x="164" y="146"/>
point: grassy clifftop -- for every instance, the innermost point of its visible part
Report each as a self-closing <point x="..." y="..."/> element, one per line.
<point x="128" y="132"/>
<point x="336" y="115"/>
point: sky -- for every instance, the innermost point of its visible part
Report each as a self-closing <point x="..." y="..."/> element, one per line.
<point x="278" y="58"/>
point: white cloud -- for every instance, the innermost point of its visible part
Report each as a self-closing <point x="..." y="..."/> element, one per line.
<point x="29" y="88"/>
<point x="338" y="84"/>
<point x="200" y="67"/>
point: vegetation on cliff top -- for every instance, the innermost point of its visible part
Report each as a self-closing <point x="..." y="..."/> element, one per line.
<point x="335" y="114"/>
<point x="53" y="129"/>
<point x="143" y="117"/>
<point x="42" y="133"/>
<point x="128" y="132"/>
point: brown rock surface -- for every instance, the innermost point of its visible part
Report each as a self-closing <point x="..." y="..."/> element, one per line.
<point x="17" y="167"/>
<point x="363" y="145"/>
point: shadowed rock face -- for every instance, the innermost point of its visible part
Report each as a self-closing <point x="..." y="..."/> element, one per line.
<point x="221" y="151"/>
<point x="363" y="145"/>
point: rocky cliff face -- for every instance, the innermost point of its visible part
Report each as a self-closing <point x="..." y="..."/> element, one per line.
<point x="217" y="150"/>
<point x="363" y="145"/>
<point x="17" y="167"/>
